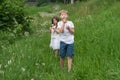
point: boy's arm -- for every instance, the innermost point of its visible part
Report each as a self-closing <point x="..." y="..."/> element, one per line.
<point x="71" y="30"/>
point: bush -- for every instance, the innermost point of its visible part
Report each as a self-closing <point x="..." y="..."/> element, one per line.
<point x="12" y="17"/>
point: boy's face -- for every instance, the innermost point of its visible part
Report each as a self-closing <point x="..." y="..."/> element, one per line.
<point x="63" y="15"/>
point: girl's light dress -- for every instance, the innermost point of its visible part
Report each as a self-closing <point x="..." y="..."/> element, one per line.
<point x="55" y="40"/>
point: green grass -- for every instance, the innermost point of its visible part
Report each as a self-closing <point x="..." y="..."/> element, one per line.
<point x="97" y="45"/>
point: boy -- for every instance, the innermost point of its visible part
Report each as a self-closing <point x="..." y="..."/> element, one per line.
<point x="66" y="30"/>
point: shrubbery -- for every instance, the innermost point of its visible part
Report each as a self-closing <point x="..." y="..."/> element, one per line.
<point x="12" y="17"/>
<point x="13" y="21"/>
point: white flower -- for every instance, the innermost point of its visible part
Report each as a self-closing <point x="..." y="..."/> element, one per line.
<point x="0" y="66"/>
<point x="43" y="64"/>
<point x="26" y="33"/>
<point x="23" y="69"/>
<point x="36" y="64"/>
<point x="32" y="79"/>
<point x="10" y="61"/>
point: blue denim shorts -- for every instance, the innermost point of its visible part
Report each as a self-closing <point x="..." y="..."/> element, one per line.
<point x="66" y="50"/>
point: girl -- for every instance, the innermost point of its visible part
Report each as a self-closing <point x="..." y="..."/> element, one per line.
<point x="55" y="42"/>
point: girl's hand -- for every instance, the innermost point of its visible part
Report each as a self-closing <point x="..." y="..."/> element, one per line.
<point x="52" y="25"/>
<point x="53" y="28"/>
<point x="50" y="29"/>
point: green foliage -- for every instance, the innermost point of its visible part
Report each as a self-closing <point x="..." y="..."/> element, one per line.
<point x="31" y="0"/>
<point x="42" y="2"/>
<point x="12" y="17"/>
<point x="13" y="21"/>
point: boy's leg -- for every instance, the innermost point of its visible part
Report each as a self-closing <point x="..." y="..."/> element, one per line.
<point x="70" y="54"/>
<point x="62" y="53"/>
<point x="62" y="62"/>
<point x="69" y="63"/>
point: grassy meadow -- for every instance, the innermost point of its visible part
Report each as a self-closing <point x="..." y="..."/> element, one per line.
<point x="97" y="44"/>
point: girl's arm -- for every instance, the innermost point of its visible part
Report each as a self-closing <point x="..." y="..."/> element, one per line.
<point x="57" y="30"/>
<point x="50" y="29"/>
<point x="60" y="30"/>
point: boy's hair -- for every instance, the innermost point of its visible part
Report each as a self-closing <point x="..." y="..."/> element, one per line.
<point x="63" y="11"/>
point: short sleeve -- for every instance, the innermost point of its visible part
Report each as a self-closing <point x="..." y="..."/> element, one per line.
<point x="71" y="24"/>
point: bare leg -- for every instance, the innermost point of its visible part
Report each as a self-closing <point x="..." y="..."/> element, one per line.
<point x="62" y="62"/>
<point x="69" y="63"/>
<point x="56" y="52"/>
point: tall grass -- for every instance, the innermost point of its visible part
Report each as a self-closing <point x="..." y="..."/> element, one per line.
<point x="97" y="46"/>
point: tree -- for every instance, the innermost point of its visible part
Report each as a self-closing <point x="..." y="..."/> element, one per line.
<point x="72" y="1"/>
<point x="69" y="1"/>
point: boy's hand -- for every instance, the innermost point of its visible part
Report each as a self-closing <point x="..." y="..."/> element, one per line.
<point x="67" y="27"/>
<point x="64" y="20"/>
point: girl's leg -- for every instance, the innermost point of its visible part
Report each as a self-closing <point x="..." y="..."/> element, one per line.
<point x="69" y="63"/>
<point x="56" y="52"/>
<point x="62" y="62"/>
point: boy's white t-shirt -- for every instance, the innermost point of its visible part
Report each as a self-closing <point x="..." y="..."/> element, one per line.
<point x="66" y="36"/>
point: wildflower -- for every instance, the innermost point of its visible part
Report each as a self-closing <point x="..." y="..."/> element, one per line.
<point x="10" y="61"/>
<point x="32" y="79"/>
<point x="26" y="33"/>
<point x="0" y="66"/>
<point x="23" y="69"/>
<point x="36" y="64"/>
<point x="43" y="64"/>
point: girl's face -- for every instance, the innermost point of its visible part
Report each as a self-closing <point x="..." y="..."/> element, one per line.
<point x="55" y="21"/>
